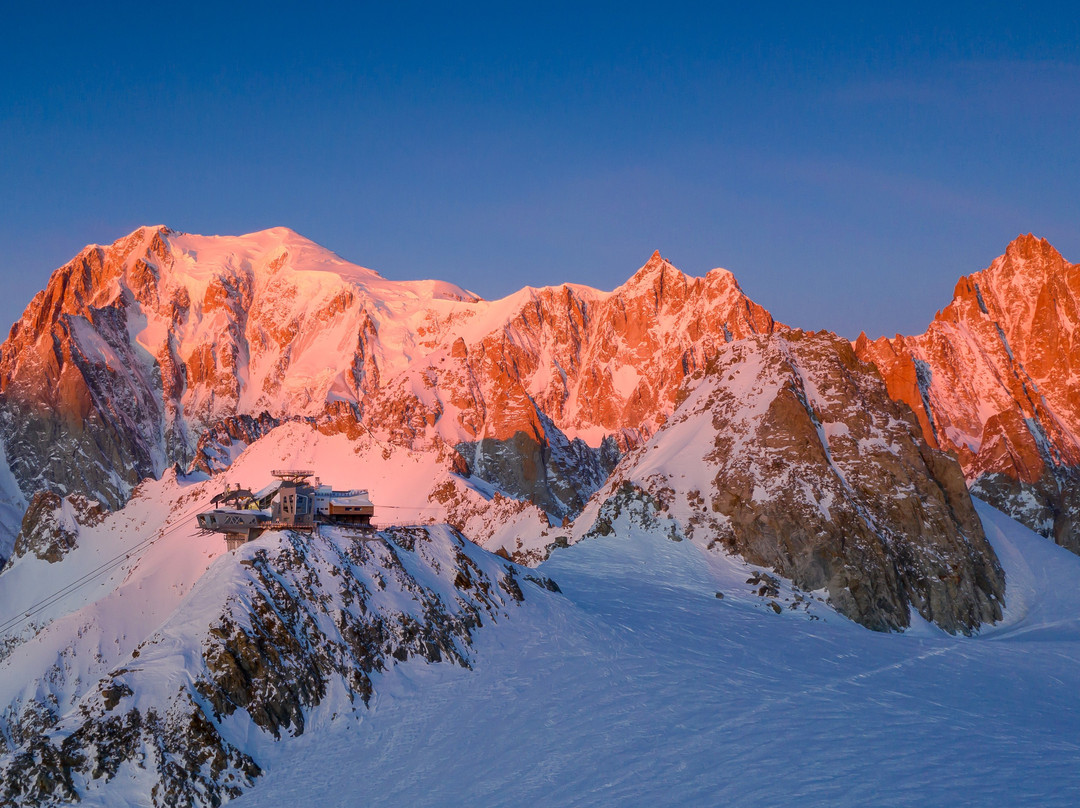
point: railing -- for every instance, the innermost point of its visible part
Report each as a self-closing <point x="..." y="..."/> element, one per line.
<point x="286" y="526"/>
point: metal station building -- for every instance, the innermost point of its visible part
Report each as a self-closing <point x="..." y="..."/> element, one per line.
<point x="296" y="500"/>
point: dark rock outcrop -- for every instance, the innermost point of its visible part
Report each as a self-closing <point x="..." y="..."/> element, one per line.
<point x="50" y="527"/>
<point x="224" y="439"/>
<point x="555" y="474"/>
<point x="804" y="464"/>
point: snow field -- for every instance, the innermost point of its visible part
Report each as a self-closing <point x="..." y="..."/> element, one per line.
<point x="638" y="686"/>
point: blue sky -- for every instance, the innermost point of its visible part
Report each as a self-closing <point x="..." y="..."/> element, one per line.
<point x="847" y="164"/>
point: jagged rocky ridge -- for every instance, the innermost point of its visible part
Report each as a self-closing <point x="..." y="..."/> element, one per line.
<point x="996" y="379"/>
<point x="212" y="342"/>
<point x="789" y="452"/>
<point x="224" y="440"/>
<point x="281" y="627"/>
<point x="135" y="350"/>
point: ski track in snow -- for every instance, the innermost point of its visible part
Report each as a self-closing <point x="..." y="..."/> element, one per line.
<point x="639" y="687"/>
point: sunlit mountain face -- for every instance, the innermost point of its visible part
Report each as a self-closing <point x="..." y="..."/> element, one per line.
<point x="994" y="380"/>
<point x="657" y="493"/>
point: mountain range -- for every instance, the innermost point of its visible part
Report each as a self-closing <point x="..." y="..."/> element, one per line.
<point x="837" y="477"/>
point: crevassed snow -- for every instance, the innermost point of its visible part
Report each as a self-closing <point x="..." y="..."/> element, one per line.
<point x="640" y="687"/>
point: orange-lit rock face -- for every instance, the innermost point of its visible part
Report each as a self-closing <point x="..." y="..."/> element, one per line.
<point x="594" y="363"/>
<point x="653" y="331"/>
<point x="189" y="330"/>
<point x="996" y="378"/>
<point x="134" y="350"/>
<point x="607" y="363"/>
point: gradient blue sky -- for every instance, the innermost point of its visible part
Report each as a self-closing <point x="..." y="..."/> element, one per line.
<point x="846" y="163"/>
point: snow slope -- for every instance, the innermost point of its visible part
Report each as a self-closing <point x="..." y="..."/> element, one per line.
<point x="12" y="507"/>
<point x="640" y="687"/>
<point x="167" y="680"/>
<point x="126" y="601"/>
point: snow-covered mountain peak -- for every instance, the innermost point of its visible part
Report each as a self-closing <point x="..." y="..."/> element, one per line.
<point x="996" y="378"/>
<point x="1011" y="288"/>
<point x="187" y="330"/>
<point x="253" y="246"/>
<point x="663" y="286"/>
<point x="140" y="235"/>
<point x="655" y="268"/>
<point x="1030" y="250"/>
<point x="267" y="253"/>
